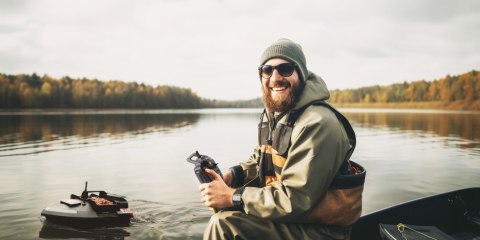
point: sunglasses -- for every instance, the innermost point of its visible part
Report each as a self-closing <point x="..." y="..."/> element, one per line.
<point x="284" y="69"/>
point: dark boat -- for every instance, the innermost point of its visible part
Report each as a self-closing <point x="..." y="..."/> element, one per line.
<point x="452" y="215"/>
<point x="90" y="209"/>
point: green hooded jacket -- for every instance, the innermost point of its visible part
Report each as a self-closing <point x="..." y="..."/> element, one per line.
<point x="318" y="146"/>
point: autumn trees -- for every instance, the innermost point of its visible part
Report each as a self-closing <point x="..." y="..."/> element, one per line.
<point x="463" y="89"/>
<point x="33" y="91"/>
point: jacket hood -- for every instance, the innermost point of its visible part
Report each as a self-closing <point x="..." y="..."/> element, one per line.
<point x="315" y="89"/>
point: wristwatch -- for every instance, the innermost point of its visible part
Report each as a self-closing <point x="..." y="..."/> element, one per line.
<point x="237" y="198"/>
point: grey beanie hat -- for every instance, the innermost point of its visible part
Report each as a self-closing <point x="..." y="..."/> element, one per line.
<point x="288" y="50"/>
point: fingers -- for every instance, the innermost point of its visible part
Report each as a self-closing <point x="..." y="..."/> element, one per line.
<point x="206" y="200"/>
<point x="202" y="187"/>
<point x="210" y="191"/>
<point x="207" y="194"/>
<point x="203" y="191"/>
<point x="212" y="173"/>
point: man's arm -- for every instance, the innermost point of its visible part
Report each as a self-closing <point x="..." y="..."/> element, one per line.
<point x="245" y="172"/>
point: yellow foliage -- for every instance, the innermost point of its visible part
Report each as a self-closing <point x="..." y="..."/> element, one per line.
<point x="46" y="88"/>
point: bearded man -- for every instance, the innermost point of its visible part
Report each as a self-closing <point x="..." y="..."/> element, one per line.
<point x="285" y="189"/>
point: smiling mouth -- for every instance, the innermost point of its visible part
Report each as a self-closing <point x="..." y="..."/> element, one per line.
<point x="278" y="89"/>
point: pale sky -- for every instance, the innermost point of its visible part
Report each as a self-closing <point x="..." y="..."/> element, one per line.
<point x="214" y="46"/>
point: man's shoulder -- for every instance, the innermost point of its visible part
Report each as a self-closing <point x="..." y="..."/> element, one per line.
<point x="317" y="114"/>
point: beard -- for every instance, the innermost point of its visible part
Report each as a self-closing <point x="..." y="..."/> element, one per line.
<point x="285" y="102"/>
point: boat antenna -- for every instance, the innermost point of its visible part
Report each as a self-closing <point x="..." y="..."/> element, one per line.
<point x="85" y="192"/>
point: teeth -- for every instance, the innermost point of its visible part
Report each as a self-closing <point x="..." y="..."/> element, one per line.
<point x="279" y="88"/>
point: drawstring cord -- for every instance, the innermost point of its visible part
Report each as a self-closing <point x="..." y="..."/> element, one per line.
<point x="401" y="228"/>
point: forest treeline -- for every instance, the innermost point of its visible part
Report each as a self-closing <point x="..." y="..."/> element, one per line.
<point x="33" y="91"/>
<point x="454" y="92"/>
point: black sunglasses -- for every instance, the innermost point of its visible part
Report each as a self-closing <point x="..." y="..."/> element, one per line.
<point x="284" y="69"/>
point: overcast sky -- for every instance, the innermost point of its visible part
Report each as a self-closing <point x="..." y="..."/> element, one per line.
<point x="214" y="46"/>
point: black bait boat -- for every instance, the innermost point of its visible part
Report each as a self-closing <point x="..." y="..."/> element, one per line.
<point x="452" y="215"/>
<point x="91" y="209"/>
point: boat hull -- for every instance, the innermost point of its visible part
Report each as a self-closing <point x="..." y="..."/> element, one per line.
<point x="83" y="215"/>
<point x="447" y="211"/>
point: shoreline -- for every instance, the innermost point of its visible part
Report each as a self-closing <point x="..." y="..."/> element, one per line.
<point x="414" y="106"/>
<point x="455" y="106"/>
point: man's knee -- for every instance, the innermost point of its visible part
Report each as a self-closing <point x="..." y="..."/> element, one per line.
<point x="220" y="226"/>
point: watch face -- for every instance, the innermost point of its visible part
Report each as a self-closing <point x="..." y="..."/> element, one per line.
<point x="237" y="197"/>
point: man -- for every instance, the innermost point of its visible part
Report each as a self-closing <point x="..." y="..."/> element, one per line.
<point x="284" y="190"/>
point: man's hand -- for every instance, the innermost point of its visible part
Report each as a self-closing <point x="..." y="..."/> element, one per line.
<point x="216" y="194"/>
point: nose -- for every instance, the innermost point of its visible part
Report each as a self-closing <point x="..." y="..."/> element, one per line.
<point x="276" y="76"/>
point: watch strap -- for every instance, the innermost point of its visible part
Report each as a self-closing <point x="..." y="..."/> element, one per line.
<point x="237" y="198"/>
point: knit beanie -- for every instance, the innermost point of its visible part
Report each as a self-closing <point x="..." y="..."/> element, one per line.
<point x="288" y="50"/>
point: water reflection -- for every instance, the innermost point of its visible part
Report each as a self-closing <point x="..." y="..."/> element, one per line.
<point x="443" y="124"/>
<point x="415" y="154"/>
<point x="142" y="156"/>
<point x="34" y="133"/>
<point x="55" y="231"/>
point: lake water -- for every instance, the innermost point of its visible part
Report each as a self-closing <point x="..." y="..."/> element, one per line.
<point x="46" y="156"/>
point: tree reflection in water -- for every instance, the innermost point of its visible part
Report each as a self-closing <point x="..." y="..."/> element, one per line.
<point x="443" y="124"/>
<point x="39" y="132"/>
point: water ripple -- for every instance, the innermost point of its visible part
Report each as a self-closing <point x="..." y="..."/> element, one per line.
<point x="168" y="221"/>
